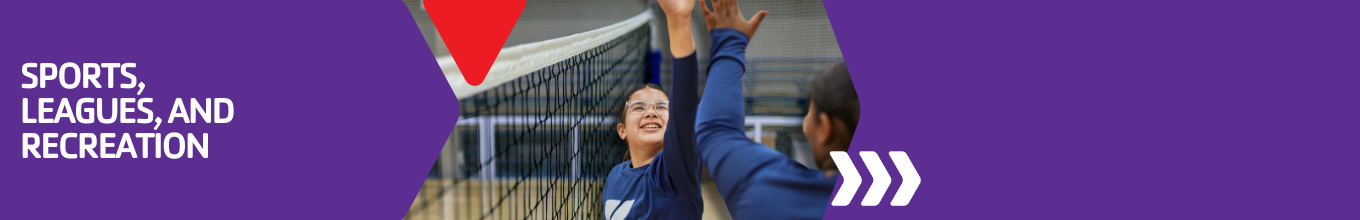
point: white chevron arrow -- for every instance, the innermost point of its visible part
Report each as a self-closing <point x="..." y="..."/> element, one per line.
<point x="851" y="176"/>
<point x="910" y="179"/>
<point x="881" y="178"/>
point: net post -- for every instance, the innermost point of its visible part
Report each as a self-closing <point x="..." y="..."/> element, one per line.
<point x="487" y="141"/>
<point x="449" y="167"/>
<point x="576" y="164"/>
<point x="759" y="133"/>
<point x="576" y="149"/>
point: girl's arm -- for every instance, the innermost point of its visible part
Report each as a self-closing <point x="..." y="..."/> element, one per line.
<point x="679" y="160"/>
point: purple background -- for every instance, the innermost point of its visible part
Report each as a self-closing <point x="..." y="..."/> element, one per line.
<point x="1099" y="110"/>
<point x="1050" y="109"/>
<point x="341" y="109"/>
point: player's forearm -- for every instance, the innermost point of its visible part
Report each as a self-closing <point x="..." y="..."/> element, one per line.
<point x="725" y="70"/>
<point x="685" y="96"/>
<point x="684" y="87"/>
<point x="681" y="33"/>
<point x="721" y="112"/>
<point x="731" y="157"/>
<point x="681" y="161"/>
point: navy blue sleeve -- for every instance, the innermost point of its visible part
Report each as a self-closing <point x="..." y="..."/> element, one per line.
<point x="732" y="158"/>
<point x="678" y="159"/>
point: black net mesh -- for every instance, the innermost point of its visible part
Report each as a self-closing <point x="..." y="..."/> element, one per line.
<point x="554" y="140"/>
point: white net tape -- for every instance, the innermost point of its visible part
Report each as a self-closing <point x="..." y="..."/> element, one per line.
<point x="514" y="62"/>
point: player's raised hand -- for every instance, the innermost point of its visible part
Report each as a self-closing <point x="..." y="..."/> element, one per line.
<point x="678" y="25"/>
<point x="727" y="14"/>
<point x="677" y="8"/>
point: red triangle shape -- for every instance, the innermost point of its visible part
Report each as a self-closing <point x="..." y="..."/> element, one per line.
<point x="474" y="31"/>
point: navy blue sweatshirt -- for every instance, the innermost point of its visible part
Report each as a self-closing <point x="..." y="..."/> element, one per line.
<point x="668" y="188"/>
<point x="756" y="182"/>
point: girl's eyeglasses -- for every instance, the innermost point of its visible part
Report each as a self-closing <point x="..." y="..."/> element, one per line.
<point x="639" y="107"/>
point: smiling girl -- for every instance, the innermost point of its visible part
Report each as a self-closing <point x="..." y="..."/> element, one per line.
<point x="661" y="178"/>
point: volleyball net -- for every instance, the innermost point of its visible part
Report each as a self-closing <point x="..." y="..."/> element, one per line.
<point x="537" y="138"/>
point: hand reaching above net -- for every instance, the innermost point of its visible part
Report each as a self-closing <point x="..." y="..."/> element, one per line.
<point x="727" y="14"/>
<point x="677" y="8"/>
<point x="678" y="26"/>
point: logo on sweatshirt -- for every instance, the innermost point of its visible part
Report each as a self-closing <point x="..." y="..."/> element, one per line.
<point x="614" y="211"/>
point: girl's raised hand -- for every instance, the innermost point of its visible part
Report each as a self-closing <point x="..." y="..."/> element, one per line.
<point x="676" y="8"/>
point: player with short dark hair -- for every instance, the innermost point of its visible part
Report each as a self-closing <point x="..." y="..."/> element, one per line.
<point x="832" y="115"/>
